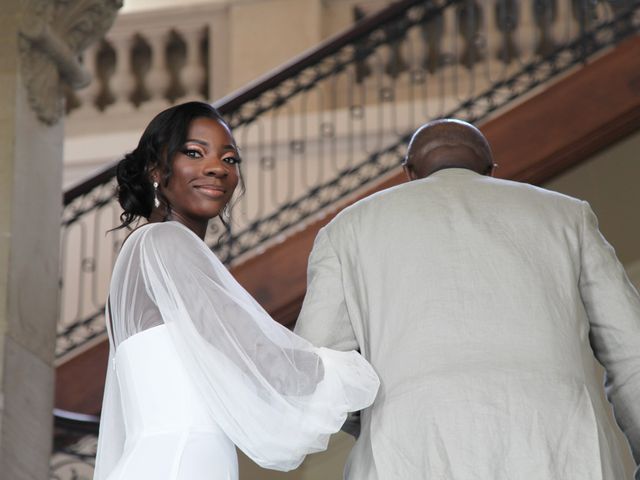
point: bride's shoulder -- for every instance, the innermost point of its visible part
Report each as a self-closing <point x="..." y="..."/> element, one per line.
<point x="160" y="232"/>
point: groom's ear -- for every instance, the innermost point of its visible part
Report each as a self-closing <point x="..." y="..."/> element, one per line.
<point x="409" y="172"/>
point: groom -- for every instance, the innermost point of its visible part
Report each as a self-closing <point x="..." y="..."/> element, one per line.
<point x="481" y="303"/>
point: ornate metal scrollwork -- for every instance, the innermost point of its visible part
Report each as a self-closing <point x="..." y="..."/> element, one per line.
<point x="353" y="118"/>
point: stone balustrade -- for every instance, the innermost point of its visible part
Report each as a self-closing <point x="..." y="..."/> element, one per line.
<point x="150" y="60"/>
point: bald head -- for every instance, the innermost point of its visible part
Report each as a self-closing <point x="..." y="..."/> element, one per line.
<point x="447" y="143"/>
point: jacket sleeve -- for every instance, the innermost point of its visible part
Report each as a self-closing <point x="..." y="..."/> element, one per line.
<point x="324" y="318"/>
<point x="275" y="395"/>
<point x="613" y="308"/>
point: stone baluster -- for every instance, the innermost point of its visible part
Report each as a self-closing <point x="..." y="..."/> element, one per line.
<point x="621" y="8"/>
<point x="469" y="15"/>
<point x="396" y="34"/>
<point x="123" y="80"/>
<point x="545" y="13"/>
<point x="362" y="69"/>
<point x="507" y="16"/>
<point x="87" y="95"/>
<point x="432" y="33"/>
<point x="584" y="11"/>
<point x="193" y="73"/>
<point x="158" y="78"/>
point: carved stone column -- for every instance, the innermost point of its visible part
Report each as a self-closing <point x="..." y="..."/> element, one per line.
<point x="52" y="35"/>
<point x="40" y="42"/>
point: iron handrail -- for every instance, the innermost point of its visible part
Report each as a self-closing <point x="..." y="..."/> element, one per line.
<point x="271" y="80"/>
<point x="269" y="98"/>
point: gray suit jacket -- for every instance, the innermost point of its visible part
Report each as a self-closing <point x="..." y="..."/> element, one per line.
<point x="481" y="304"/>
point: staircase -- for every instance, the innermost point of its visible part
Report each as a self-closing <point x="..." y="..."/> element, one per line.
<point x="549" y="83"/>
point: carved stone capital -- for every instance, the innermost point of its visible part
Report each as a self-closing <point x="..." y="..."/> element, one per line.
<point x="53" y="35"/>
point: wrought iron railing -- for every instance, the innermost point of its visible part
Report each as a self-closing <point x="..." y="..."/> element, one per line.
<point x="338" y="118"/>
<point x="75" y="444"/>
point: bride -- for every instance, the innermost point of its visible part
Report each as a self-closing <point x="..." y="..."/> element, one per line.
<point x="196" y="366"/>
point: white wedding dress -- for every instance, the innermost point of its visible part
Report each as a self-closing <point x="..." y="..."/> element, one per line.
<point x="196" y="366"/>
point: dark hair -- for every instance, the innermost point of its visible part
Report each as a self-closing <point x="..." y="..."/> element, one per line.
<point x="161" y="141"/>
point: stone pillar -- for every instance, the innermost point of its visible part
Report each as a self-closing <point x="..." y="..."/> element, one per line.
<point x="39" y="44"/>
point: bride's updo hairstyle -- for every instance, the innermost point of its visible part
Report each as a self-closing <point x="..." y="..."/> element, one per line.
<point x="163" y="138"/>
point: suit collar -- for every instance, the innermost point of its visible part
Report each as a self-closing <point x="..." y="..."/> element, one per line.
<point x="454" y="172"/>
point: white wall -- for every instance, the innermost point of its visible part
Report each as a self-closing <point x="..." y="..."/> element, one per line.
<point x="609" y="182"/>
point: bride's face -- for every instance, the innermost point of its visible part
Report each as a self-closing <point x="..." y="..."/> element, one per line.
<point x="205" y="172"/>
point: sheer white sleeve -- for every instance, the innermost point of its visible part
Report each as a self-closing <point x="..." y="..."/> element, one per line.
<point x="276" y="396"/>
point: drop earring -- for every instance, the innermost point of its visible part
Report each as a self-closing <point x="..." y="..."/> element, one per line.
<point x="156" y="202"/>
